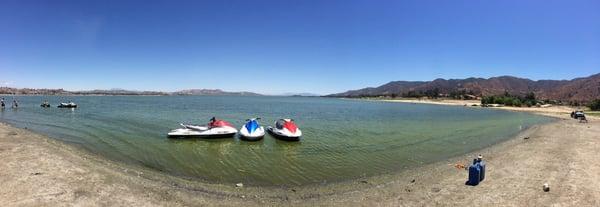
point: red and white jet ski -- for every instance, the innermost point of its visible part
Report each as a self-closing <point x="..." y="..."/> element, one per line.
<point x="214" y="129"/>
<point x="285" y="129"/>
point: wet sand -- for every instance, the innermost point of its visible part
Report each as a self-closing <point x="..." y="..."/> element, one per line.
<point x="39" y="171"/>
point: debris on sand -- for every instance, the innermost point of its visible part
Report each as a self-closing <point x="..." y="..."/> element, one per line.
<point x="546" y="187"/>
<point x="460" y="166"/>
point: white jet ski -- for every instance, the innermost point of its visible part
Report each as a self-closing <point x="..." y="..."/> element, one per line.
<point x="195" y="127"/>
<point x="252" y="131"/>
<point x="285" y="129"/>
<point x="214" y="129"/>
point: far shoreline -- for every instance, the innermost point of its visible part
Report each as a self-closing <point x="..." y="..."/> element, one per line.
<point x="556" y="111"/>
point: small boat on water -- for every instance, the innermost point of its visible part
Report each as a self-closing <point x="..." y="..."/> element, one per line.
<point x="285" y="129"/>
<point x="214" y="129"/>
<point x="67" y="105"/>
<point x="45" y="104"/>
<point x="252" y="131"/>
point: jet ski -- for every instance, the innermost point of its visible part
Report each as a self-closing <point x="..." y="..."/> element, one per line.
<point x="285" y="129"/>
<point x="67" y="105"/>
<point x="252" y="131"/>
<point x="214" y="129"/>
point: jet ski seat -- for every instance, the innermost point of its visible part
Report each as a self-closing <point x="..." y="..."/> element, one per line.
<point x="279" y="124"/>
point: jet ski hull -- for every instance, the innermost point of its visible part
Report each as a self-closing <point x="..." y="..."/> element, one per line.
<point x="213" y="133"/>
<point x="258" y="134"/>
<point x="252" y="131"/>
<point x="278" y="134"/>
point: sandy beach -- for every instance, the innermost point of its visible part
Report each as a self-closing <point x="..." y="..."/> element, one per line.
<point x="553" y="111"/>
<point x="40" y="171"/>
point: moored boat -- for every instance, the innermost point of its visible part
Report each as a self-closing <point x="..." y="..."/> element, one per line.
<point x="67" y="105"/>
<point x="45" y="105"/>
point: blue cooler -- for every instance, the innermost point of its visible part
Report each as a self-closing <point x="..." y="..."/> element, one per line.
<point x="474" y="173"/>
<point x="481" y="164"/>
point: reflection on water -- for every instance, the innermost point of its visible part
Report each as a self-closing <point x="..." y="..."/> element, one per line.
<point x="343" y="139"/>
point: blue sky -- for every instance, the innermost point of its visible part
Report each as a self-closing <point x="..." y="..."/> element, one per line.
<point x="320" y="46"/>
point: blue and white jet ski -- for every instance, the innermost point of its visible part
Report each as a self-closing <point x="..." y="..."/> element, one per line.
<point x="252" y="131"/>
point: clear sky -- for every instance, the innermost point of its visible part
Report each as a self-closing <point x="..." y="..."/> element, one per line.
<point x="319" y="46"/>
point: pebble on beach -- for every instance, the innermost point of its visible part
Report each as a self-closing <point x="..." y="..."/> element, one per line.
<point x="546" y="187"/>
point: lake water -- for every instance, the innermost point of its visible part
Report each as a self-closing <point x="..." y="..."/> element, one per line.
<point x="342" y="139"/>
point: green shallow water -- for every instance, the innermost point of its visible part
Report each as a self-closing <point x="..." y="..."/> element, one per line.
<point x="343" y="139"/>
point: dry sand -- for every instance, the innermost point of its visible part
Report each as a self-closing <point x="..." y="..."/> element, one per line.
<point x="552" y="110"/>
<point x="39" y="171"/>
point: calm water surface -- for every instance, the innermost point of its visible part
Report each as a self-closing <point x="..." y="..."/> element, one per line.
<point x="343" y="139"/>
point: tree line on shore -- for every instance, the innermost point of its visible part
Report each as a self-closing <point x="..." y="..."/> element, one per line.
<point x="511" y="100"/>
<point x="595" y="105"/>
<point x="430" y="93"/>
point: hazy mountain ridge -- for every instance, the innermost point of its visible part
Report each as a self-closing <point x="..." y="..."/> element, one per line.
<point x="201" y="92"/>
<point x="578" y="89"/>
<point x="119" y="92"/>
<point x="299" y="94"/>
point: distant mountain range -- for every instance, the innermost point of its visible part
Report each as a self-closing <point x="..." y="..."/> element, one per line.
<point x="123" y="92"/>
<point x="202" y="92"/>
<point x="577" y="90"/>
<point x="299" y="94"/>
<point x="117" y="92"/>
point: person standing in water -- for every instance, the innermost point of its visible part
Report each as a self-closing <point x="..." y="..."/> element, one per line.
<point x="15" y="103"/>
<point x="2" y="102"/>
